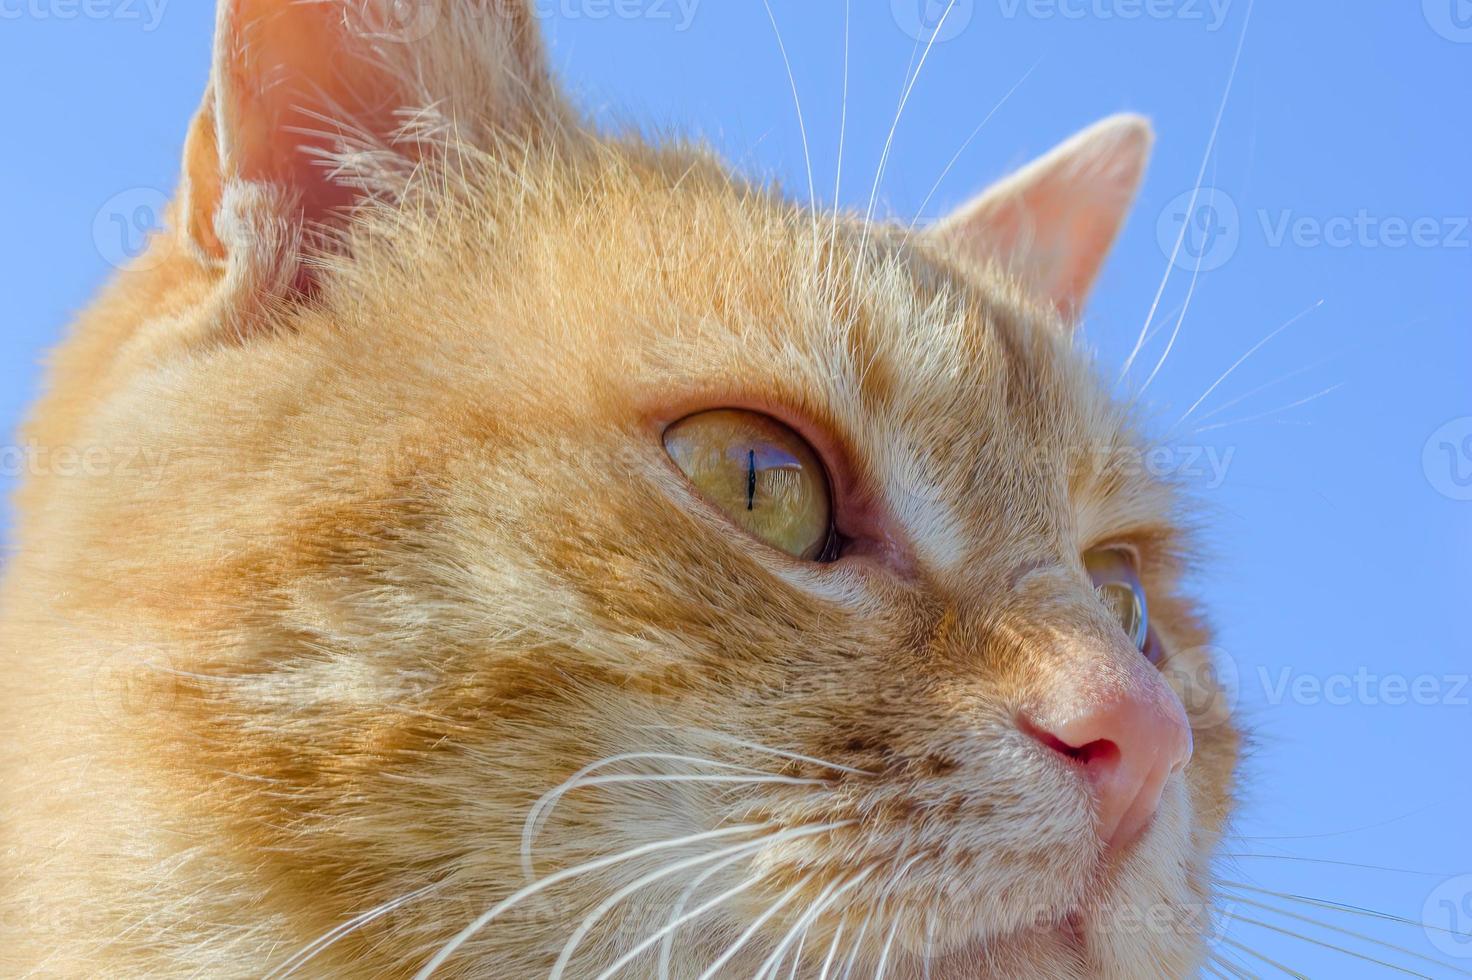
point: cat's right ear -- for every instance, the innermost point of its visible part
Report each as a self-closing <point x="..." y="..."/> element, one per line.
<point x="315" y="105"/>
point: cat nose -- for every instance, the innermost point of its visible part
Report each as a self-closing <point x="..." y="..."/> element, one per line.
<point x="1126" y="741"/>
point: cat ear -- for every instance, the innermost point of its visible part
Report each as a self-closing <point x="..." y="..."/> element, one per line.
<point x="308" y="99"/>
<point x="1052" y="222"/>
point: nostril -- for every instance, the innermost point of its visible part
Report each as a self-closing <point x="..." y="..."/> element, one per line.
<point x="1125" y="749"/>
<point x="1100" y="752"/>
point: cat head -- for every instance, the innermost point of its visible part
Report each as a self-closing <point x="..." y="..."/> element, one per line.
<point x="563" y="536"/>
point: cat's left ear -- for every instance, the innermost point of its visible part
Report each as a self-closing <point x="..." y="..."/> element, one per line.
<point x="1052" y="222"/>
<point x="314" y="106"/>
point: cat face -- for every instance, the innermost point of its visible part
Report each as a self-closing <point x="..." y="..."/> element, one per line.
<point x="456" y="638"/>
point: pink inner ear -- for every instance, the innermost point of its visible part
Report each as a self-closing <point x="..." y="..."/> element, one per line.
<point x="295" y="76"/>
<point x="1052" y="222"/>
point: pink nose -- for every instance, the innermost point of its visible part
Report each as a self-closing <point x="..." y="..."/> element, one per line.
<point x="1127" y="743"/>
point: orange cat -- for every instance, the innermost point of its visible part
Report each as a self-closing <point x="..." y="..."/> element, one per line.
<point x="565" y="558"/>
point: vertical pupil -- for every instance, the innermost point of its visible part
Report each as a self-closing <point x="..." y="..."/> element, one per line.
<point x="750" y="479"/>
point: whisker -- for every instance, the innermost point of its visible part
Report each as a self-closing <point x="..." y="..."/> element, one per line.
<point x="894" y="930"/>
<point x="929" y="942"/>
<point x="894" y="126"/>
<point x="672" y="927"/>
<point x="666" y="951"/>
<point x="1341" y="907"/>
<point x="1255" y="954"/>
<point x="1220" y="966"/>
<point x="1241" y="360"/>
<point x="833" y="948"/>
<point x="1237" y="969"/>
<point x="1191" y="205"/>
<point x="1326" y="945"/>
<point x="469" y="932"/>
<point x="1349" y="349"/>
<point x="826" y="898"/>
<point x="797" y="955"/>
<point x="795" y="756"/>
<point x="801" y="124"/>
<point x="842" y="136"/>
<point x="1351" y="933"/>
<point x="879" y="900"/>
<point x="304" y="955"/>
<point x="1272" y="411"/>
<point x="756" y="924"/>
<point x="1344" y="864"/>
<point x="594" y="917"/>
<point x="1340" y="833"/>
<point x="537" y="814"/>
<point x="1180" y="320"/>
<point x="945" y="171"/>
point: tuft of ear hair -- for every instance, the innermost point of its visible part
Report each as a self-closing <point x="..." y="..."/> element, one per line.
<point x="1052" y="223"/>
<point x="314" y="106"/>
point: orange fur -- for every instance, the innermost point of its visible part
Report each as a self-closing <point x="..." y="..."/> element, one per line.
<point x="412" y="556"/>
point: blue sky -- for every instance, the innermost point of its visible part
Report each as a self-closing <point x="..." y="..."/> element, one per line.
<point x="1334" y="462"/>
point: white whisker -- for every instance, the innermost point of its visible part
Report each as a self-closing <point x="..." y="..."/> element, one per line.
<point x="666" y="950"/>
<point x="1341" y="907"/>
<point x="304" y="955"/>
<point x="801" y="124"/>
<point x="1239" y="361"/>
<point x="879" y="900"/>
<point x="1342" y="864"/>
<point x="894" y="126"/>
<point x="593" y="918"/>
<point x="833" y="948"/>
<point x="1351" y="933"/>
<point x="537" y="814"/>
<point x="469" y="932"/>
<point x="797" y="954"/>
<point x="1319" y="942"/>
<point x="1272" y="411"/>
<point x="782" y="753"/>
<point x="826" y="898"/>
<point x="842" y="136"/>
<point x="894" y="931"/>
<point x="1195" y="192"/>
<point x="756" y="924"/>
<point x="1256" y="955"/>
<point x="945" y="172"/>
<point x="671" y="927"/>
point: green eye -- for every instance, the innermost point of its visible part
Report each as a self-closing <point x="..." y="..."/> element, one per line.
<point x="1117" y="585"/>
<point x="765" y="477"/>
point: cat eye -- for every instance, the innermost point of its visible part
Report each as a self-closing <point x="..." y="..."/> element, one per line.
<point x="1117" y="585"/>
<point x="761" y="474"/>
